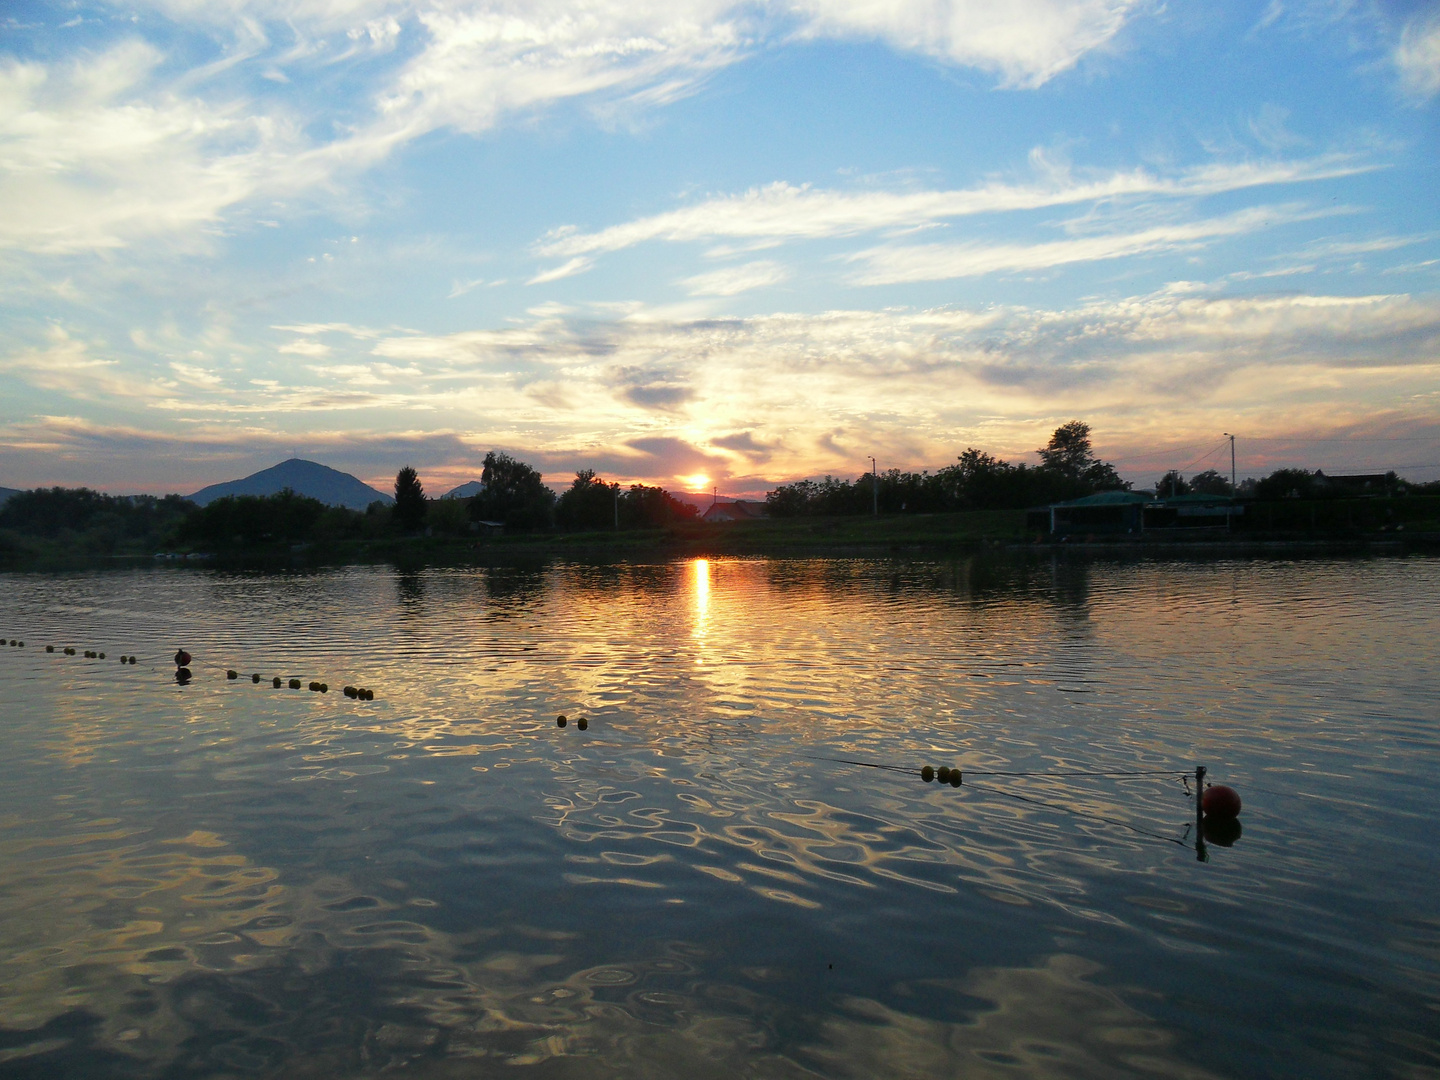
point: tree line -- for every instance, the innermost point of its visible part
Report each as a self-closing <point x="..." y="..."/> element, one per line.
<point x="978" y="480"/>
<point x="513" y="495"/>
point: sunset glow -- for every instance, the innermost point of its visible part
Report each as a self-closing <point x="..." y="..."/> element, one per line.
<point x="776" y="240"/>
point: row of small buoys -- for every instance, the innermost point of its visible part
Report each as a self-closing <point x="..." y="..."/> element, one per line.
<point x="129" y="660"/>
<point x="14" y="644"/>
<point x="90" y="654"/>
<point x="359" y="693"/>
<point x="944" y="774"/>
<point x="580" y="722"/>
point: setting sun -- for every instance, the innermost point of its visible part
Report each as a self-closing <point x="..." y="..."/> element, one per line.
<point x="697" y="482"/>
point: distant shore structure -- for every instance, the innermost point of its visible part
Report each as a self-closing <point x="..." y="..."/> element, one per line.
<point x="736" y="510"/>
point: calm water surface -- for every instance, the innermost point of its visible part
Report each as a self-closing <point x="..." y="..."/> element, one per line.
<point x="226" y="880"/>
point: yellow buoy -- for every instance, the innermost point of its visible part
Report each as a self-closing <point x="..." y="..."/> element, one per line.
<point x="294" y="684"/>
<point x="943" y="775"/>
<point x="255" y="678"/>
<point x="927" y="774"/>
<point x="49" y="648"/>
<point x="232" y="674"/>
<point x="582" y="723"/>
<point x="560" y="720"/>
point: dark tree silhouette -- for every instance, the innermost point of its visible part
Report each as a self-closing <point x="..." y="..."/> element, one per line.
<point x="513" y="493"/>
<point x="410" y="505"/>
<point x="977" y="481"/>
<point x="1068" y="456"/>
<point x="589" y="503"/>
<point x="1210" y="482"/>
<point x="1172" y="483"/>
<point x="1291" y="484"/>
<point x="645" y="507"/>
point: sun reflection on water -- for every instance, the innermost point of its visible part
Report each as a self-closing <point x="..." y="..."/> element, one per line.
<point x="700" y="582"/>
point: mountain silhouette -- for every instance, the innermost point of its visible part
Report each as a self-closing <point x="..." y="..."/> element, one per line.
<point x="330" y="486"/>
<point x="465" y="490"/>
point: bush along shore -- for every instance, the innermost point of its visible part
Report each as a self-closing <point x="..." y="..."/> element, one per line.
<point x="287" y="529"/>
<point x="980" y="501"/>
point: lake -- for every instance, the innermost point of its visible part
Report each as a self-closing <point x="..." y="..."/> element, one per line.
<point x="735" y="868"/>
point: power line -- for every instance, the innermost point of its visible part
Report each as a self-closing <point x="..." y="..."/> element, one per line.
<point x="1223" y="443"/>
<point x="1338" y="438"/>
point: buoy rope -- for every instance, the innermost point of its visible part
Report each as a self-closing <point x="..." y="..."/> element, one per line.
<point x="1004" y="772"/>
<point x="1094" y="817"/>
<point x="194" y="662"/>
<point x="1042" y="802"/>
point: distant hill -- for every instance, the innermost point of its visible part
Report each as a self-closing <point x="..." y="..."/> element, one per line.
<point x="330" y="486"/>
<point x="5" y="493"/>
<point x="464" y="491"/>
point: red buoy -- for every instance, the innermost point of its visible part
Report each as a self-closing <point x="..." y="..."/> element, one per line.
<point x="182" y="659"/>
<point x="1221" y="801"/>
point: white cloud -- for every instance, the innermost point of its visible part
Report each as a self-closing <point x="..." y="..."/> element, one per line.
<point x="92" y="155"/>
<point x="895" y="263"/>
<point x="1027" y="42"/>
<point x="305" y="347"/>
<point x="577" y="265"/>
<point x="733" y="280"/>
<point x="913" y="386"/>
<point x="102" y="150"/>
<point x="923" y="383"/>
<point x="1417" y="57"/>
<point x="782" y="211"/>
<point x="65" y="364"/>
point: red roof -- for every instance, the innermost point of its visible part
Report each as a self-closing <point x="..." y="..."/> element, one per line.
<point x="739" y="510"/>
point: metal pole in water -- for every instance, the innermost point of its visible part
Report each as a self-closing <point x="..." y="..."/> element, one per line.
<point x="1200" y="813"/>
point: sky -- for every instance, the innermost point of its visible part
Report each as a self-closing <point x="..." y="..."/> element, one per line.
<point x="714" y="245"/>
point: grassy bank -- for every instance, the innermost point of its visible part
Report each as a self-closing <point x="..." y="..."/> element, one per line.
<point x="1296" y="525"/>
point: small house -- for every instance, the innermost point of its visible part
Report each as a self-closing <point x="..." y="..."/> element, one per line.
<point x="739" y="510"/>
<point x="1109" y="513"/>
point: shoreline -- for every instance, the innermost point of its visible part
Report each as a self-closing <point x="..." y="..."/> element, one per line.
<point x="914" y="537"/>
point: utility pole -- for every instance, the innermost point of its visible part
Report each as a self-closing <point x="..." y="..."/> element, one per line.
<point x="875" y="485"/>
<point x="1232" y="462"/>
<point x="617" y="506"/>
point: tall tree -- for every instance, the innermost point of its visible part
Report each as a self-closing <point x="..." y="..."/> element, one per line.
<point x="1068" y="451"/>
<point x="1172" y="483"/>
<point x="1069" y="457"/>
<point x="1210" y="482"/>
<point x="513" y="493"/>
<point x="589" y="503"/>
<point x="410" y="505"/>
